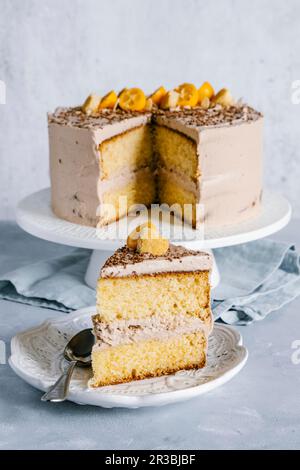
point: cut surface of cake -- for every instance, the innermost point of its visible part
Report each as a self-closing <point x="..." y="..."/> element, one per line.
<point x="153" y="314"/>
<point x="182" y="157"/>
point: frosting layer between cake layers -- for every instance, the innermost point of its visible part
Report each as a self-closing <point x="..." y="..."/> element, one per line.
<point x="162" y="327"/>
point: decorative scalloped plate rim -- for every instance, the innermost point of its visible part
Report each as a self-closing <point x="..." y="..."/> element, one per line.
<point x="124" y="395"/>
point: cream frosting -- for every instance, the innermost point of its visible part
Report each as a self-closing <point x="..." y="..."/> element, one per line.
<point x="125" y="262"/>
<point x="106" y="125"/>
<point x="121" y="180"/>
<point x="74" y="172"/>
<point x="158" y="327"/>
<point x="230" y="168"/>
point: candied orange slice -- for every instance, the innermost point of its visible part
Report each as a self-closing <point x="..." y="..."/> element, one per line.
<point x="205" y="91"/>
<point x="136" y="233"/>
<point x="188" y="94"/>
<point x="108" y="101"/>
<point x="157" y="246"/>
<point x="121" y="91"/>
<point x="158" y="95"/>
<point x="132" y="99"/>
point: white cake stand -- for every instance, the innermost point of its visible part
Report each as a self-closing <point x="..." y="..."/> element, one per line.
<point x="34" y="215"/>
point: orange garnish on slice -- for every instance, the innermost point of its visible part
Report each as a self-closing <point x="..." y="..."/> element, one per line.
<point x="205" y="91"/>
<point x="158" y="95"/>
<point x="133" y="237"/>
<point x="188" y="95"/>
<point x="132" y="99"/>
<point x="121" y="91"/>
<point x="108" y="101"/>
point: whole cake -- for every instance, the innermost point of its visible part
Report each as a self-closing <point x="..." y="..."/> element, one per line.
<point x="196" y="151"/>
<point x="153" y="310"/>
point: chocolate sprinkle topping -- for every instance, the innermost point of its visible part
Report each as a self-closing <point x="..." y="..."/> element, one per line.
<point x="216" y="116"/>
<point x="75" y="117"/>
<point x="124" y="256"/>
<point x="194" y="117"/>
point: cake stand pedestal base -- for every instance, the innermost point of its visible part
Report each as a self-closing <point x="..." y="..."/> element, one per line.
<point x="98" y="258"/>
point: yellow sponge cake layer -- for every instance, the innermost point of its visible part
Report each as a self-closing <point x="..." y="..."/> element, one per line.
<point x="181" y="201"/>
<point x="134" y="297"/>
<point x="115" y="202"/>
<point x="176" y="151"/>
<point x="126" y="152"/>
<point x="147" y="359"/>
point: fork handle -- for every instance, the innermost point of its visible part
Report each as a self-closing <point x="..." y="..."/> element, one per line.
<point x="59" y="391"/>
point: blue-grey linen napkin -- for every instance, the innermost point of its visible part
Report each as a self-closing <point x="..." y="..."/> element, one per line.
<point x="256" y="278"/>
<point x="45" y="274"/>
<point x="56" y="283"/>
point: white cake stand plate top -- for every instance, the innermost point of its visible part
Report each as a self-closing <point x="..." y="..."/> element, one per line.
<point x="35" y="216"/>
<point x="37" y="357"/>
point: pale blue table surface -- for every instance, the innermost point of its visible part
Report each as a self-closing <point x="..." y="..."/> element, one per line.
<point x="258" y="409"/>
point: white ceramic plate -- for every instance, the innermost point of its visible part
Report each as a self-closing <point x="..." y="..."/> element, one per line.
<point x="36" y="356"/>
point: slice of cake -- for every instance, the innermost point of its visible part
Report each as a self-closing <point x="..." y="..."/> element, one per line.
<point x="153" y="311"/>
<point x="198" y="152"/>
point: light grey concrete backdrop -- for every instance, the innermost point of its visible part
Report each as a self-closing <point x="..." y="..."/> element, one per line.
<point x="55" y="52"/>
